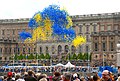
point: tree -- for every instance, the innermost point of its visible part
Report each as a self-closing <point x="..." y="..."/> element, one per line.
<point x="74" y="57"/>
<point x="15" y="56"/>
<point x="47" y="56"/>
<point x="42" y="56"/>
<point x="80" y="56"/>
<point x="31" y="56"/>
<point x="20" y="57"/>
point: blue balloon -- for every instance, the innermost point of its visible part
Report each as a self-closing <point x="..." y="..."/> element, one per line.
<point x="100" y="74"/>
<point x="24" y="35"/>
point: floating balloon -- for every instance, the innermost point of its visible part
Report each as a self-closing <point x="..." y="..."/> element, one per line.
<point x="24" y="35"/>
<point x="78" y="41"/>
<point x="52" y="21"/>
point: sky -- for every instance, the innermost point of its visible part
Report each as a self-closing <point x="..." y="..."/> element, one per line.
<point x="15" y="9"/>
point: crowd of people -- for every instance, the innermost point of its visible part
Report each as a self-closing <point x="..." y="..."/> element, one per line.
<point x="58" y="76"/>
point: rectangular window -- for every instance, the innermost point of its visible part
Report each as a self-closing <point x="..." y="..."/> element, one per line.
<point x="104" y="46"/>
<point x="109" y="27"/>
<point x="80" y="29"/>
<point x="102" y="28"/>
<point x="87" y="49"/>
<point x="96" y="46"/>
<point x="3" y="32"/>
<point x="94" y="28"/>
<point x="13" y="32"/>
<point x="80" y="49"/>
<point x="111" y="46"/>
<point x="87" y="28"/>
<point x="87" y="37"/>
<point x="40" y="50"/>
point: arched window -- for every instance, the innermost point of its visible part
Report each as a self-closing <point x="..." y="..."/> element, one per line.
<point x="47" y="50"/>
<point x="80" y="49"/>
<point x="66" y="48"/>
<point x="59" y="49"/>
<point x="87" y="49"/>
<point x="28" y="50"/>
<point x="73" y="49"/>
<point x="40" y="50"/>
<point x="53" y="50"/>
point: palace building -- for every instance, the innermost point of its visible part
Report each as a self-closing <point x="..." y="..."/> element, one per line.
<point x="102" y="32"/>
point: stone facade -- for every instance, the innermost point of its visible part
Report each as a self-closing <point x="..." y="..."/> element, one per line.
<point x="101" y="32"/>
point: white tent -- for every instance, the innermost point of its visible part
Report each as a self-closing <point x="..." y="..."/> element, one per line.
<point x="59" y="64"/>
<point x="69" y="65"/>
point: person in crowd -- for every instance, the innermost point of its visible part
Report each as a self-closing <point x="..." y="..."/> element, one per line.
<point x="96" y="77"/>
<point x="75" y="77"/>
<point x="57" y="76"/>
<point x="106" y="76"/>
<point x="43" y="79"/>
<point x="31" y="76"/>
<point x="18" y="78"/>
<point x="67" y="77"/>
<point x="9" y="77"/>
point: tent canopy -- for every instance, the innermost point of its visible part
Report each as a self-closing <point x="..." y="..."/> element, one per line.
<point x="59" y="64"/>
<point x="69" y="65"/>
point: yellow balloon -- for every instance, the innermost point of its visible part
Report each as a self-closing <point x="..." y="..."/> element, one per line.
<point x="38" y="17"/>
<point x="70" y="23"/>
<point x="79" y="40"/>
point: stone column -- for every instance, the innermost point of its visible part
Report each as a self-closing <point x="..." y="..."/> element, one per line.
<point x="118" y="54"/>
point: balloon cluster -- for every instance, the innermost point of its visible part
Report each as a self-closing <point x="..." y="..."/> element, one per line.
<point x="52" y="21"/>
<point x="109" y="68"/>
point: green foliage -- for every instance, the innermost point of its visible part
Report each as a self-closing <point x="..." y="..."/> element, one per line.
<point x="47" y="56"/>
<point x="16" y="57"/>
<point x="80" y="56"/>
<point x="42" y="56"/>
<point x="74" y="57"/>
<point x="20" y="57"/>
<point x="31" y="56"/>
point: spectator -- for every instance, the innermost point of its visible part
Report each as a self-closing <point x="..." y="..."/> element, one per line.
<point x="9" y="76"/>
<point x="106" y="76"/>
<point x="31" y="76"/>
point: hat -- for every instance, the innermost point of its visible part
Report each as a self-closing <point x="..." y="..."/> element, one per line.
<point x="9" y="74"/>
<point x="75" y="75"/>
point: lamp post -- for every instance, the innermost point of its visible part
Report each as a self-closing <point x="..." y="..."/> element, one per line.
<point x="104" y="59"/>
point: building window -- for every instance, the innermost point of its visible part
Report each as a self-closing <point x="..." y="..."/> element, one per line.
<point x="102" y="28"/>
<point x="109" y="27"/>
<point x="103" y="46"/>
<point x="28" y="50"/>
<point x="96" y="46"/>
<point x="18" y="50"/>
<point x="66" y="48"/>
<point x="116" y="27"/>
<point x="1" y="50"/>
<point x="47" y="50"/>
<point x="53" y="51"/>
<point x="80" y="29"/>
<point x="87" y="49"/>
<point x="15" y="50"/>
<point x="87" y="37"/>
<point x="94" y="28"/>
<point x="13" y="32"/>
<point x="59" y="49"/>
<point x="35" y="50"/>
<point x="111" y="46"/>
<point x="40" y="50"/>
<point x="112" y="56"/>
<point x="10" y="50"/>
<point x="23" y="50"/>
<point x="87" y="28"/>
<point x="73" y="50"/>
<point x="3" y="32"/>
<point x="95" y="38"/>
<point x="80" y="49"/>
